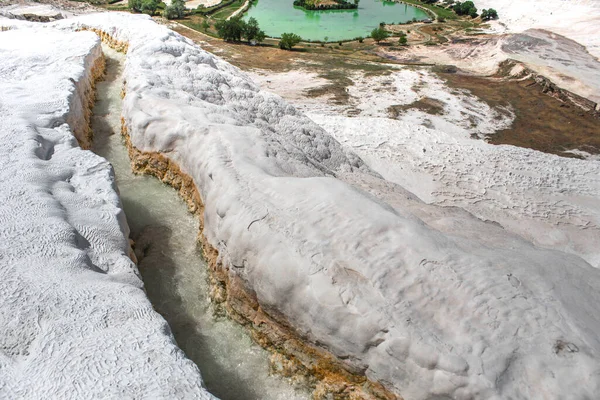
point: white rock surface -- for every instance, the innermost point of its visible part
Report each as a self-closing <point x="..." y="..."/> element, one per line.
<point x="32" y="11"/>
<point x="74" y="319"/>
<point x="433" y="156"/>
<point x="576" y="19"/>
<point x="429" y="300"/>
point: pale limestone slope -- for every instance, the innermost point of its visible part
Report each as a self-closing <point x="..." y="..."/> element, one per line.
<point x="74" y="319"/>
<point x="430" y="301"/>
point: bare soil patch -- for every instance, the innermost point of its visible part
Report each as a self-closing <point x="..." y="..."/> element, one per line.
<point x="542" y="122"/>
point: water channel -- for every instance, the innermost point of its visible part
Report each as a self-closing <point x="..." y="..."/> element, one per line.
<point x="280" y="16"/>
<point x="174" y="273"/>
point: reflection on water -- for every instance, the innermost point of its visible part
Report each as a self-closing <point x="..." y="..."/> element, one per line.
<point x="279" y="16"/>
<point x="174" y="273"/>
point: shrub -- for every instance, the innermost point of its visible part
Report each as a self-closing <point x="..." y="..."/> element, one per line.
<point x="175" y="11"/>
<point x="402" y="41"/>
<point x="379" y="34"/>
<point x="486" y="15"/>
<point x="360" y="39"/>
<point x="144" y="6"/>
<point x="289" y="40"/>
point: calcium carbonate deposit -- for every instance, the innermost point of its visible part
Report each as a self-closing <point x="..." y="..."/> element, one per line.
<point x="74" y="319"/>
<point x="174" y="274"/>
<point x="429" y="302"/>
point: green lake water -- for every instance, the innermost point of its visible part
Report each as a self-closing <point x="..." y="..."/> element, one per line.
<point x="279" y="16"/>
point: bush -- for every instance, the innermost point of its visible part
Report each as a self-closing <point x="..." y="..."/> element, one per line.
<point x="289" y="40"/>
<point x="175" y="11"/>
<point x="360" y="39"/>
<point x="379" y="34"/>
<point x="144" y="6"/>
<point x="486" y="15"/>
<point x="402" y="41"/>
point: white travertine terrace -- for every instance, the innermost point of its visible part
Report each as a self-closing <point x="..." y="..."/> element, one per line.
<point x="74" y="319"/>
<point x="430" y="301"/>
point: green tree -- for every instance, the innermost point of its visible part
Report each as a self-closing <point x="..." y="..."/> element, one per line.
<point x="148" y="6"/>
<point x="231" y="29"/>
<point x="486" y="15"/>
<point x="402" y="41"/>
<point x="466" y="8"/>
<point x="289" y="40"/>
<point x="252" y="31"/>
<point x="145" y="6"/>
<point x="379" y="34"/>
<point x="175" y="10"/>
<point x="205" y="25"/>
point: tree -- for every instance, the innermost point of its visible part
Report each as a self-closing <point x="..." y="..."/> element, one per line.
<point x="205" y="25"/>
<point x="289" y="40"/>
<point x="175" y="10"/>
<point x="402" y="41"/>
<point x="356" y="2"/>
<point x="144" y="6"/>
<point x="252" y="31"/>
<point x="466" y="8"/>
<point x="231" y="29"/>
<point x="486" y="15"/>
<point x="379" y="34"/>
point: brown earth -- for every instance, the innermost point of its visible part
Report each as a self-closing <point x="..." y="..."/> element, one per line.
<point x="542" y="122"/>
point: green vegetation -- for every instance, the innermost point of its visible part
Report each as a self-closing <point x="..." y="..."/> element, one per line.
<point x="403" y="41"/>
<point x="144" y="6"/>
<point x="175" y="11"/>
<point x="486" y="15"/>
<point x="466" y="8"/>
<point x="252" y="31"/>
<point x="319" y="5"/>
<point x="233" y="29"/>
<point x="205" y="25"/>
<point x="379" y="34"/>
<point x="289" y="40"/>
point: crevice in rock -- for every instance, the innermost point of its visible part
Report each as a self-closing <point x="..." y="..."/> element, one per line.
<point x="291" y="354"/>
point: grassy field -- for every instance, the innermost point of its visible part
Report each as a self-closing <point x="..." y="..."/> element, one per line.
<point x="225" y="12"/>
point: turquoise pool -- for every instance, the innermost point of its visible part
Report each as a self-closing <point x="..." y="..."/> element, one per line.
<point x="279" y="16"/>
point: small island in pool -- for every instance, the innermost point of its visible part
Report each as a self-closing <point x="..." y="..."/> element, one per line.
<point x="326" y="4"/>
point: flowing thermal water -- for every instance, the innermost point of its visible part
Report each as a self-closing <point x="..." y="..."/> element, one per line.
<point x="173" y="270"/>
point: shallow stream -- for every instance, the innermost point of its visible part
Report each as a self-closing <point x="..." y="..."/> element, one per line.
<point x="173" y="270"/>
